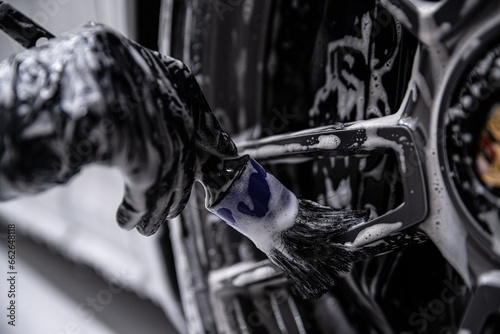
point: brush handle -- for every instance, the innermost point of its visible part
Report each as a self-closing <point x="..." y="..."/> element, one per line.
<point x="257" y="205"/>
<point x="20" y="27"/>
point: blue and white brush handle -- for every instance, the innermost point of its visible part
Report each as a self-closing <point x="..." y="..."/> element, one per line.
<point x="258" y="206"/>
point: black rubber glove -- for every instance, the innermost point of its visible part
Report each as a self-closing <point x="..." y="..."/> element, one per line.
<point x="94" y="96"/>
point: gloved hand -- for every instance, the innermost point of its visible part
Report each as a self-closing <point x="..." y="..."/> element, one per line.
<point x="94" y="96"/>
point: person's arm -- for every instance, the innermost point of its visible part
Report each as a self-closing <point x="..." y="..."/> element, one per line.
<point x="93" y="96"/>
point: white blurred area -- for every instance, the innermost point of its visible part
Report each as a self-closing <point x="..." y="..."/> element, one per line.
<point x="58" y="16"/>
<point x="78" y="221"/>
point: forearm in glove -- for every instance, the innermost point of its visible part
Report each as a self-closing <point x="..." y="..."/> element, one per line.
<point x="94" y="96"/>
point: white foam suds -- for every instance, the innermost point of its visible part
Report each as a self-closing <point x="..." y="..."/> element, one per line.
<point x="398" y="13"/>
<point x="327" y="142"/>
<point x="324" y="142"/>
<point x="348" y="98"/>
<point x="374" y="233"/>
<point x="373" y="141"/>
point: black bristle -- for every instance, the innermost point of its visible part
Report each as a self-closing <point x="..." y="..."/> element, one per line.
<point x="308" y="253"/>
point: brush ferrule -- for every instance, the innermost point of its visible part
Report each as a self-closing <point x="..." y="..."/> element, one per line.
<point x="258" y="206"/>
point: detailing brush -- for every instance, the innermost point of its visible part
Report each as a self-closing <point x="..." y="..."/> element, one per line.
<point x="168" y="139"/>
<point x="297" y="235"/>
